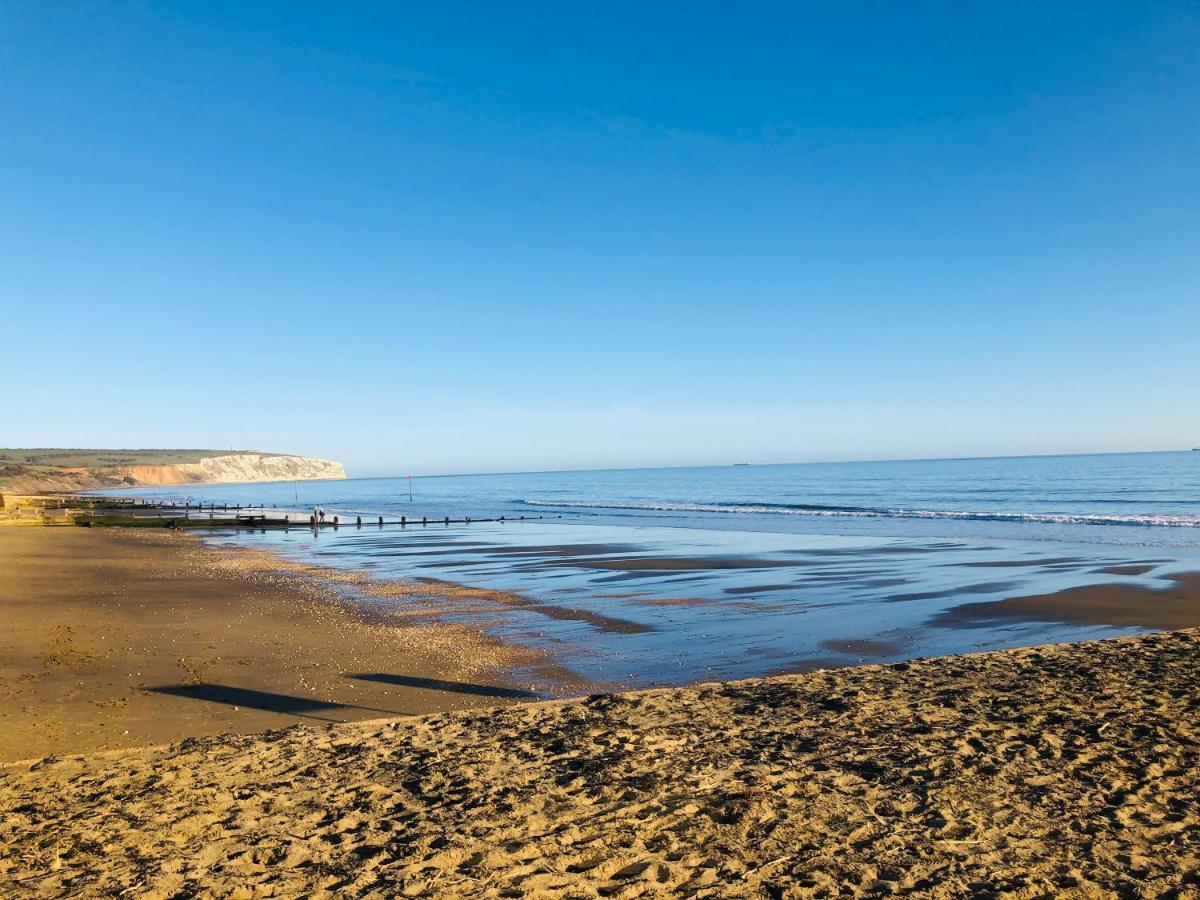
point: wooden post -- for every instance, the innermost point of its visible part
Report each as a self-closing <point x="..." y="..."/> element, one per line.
<point x="403" y="520"/>
<point x="381" y="521"/>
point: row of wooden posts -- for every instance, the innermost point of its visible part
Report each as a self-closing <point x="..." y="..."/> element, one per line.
<point x="404" y="520"/>
<point x="314" y="521"/>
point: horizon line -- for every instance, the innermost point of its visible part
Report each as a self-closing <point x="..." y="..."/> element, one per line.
<point x="821" y="462"/>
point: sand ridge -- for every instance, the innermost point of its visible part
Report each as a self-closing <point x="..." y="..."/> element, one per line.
<point x="1069" y="771"/>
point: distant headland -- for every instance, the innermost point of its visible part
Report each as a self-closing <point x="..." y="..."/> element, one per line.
<point x="49" y="469"/>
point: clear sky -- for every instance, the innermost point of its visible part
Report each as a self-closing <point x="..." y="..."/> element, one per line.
<point x="476" y="237"/>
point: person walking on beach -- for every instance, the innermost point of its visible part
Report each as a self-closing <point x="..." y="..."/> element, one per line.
<point x="321" y="513"/>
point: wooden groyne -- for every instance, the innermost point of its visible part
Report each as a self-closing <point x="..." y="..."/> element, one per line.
<point x="127" y="512"/>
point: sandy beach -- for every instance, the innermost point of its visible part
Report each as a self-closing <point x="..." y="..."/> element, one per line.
<point x="591" y="450"/>
<point x="182" y="719"/>
<point x="1066" y="771"/>
<point x="123" y="638"/>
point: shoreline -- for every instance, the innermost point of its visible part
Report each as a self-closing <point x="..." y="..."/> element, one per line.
<point x="1066" y="770"/>
<point x="157" y="682"/>
<point x="1173" y="605"/>
<point x="132" y="637"/>
<point x="666" y="606"/>
<point x="119" y="638"/>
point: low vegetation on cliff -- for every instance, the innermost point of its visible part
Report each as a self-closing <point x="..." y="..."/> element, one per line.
<point x="64" y="469"/>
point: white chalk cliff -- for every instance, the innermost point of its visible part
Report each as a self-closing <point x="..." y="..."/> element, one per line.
<point x="238" y="467"/>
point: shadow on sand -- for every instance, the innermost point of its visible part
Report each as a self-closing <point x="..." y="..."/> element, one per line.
<point x="438" y="684"/>
<point x="225" y="694"/>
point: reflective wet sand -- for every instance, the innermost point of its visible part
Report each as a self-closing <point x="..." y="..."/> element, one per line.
<point x="636" y="607"/>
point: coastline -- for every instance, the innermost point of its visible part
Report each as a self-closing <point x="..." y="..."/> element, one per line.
<point x="1066" y="770"/>
<point x="634" y="608"/>
<point x="123" y="638"/>
<point x="1173" y="605"/>
<point x="119" y="638"/>
<point x="178" y="714"/>
<point x="33" y="471"/>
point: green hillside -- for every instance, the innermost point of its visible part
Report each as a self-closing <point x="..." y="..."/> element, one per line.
<point x="51" y="464"/>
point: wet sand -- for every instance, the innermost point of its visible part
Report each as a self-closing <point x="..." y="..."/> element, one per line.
<point x="1068" y="770"/>
<point x="1065" y="771"/>
<point x="1175" y="605"/>
<point x="117" y="638"/>
<point x="677" y="563"/>
<point x="718" y="605"/>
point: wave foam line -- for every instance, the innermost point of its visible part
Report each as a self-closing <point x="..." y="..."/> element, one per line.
<point x="866" y="512"/>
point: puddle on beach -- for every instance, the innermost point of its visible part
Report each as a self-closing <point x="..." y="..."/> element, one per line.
<point x="635" y="607"/>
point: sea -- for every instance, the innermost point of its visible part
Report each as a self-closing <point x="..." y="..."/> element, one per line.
<point x="641" y="577"/>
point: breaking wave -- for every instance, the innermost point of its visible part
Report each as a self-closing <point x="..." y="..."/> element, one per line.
<point x="809" y="509"/>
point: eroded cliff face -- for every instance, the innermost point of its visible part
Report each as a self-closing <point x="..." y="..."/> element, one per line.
<point x="238" y="467"/>
<point x="228" y="469"/>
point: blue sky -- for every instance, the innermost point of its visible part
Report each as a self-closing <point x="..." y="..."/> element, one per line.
<point x="482" y="237"/>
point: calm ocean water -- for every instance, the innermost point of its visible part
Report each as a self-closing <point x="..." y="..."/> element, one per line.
<point x="652" y="576"/>
<point x="1144" y="498"/>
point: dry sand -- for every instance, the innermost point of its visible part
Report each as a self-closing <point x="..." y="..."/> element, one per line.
<point x="1071" y="770"/>
<point x="1067" y="771"/>
<point x="120" y="638"/>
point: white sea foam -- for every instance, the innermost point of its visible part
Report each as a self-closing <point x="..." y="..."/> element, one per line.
<point x="861" y="512"/>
